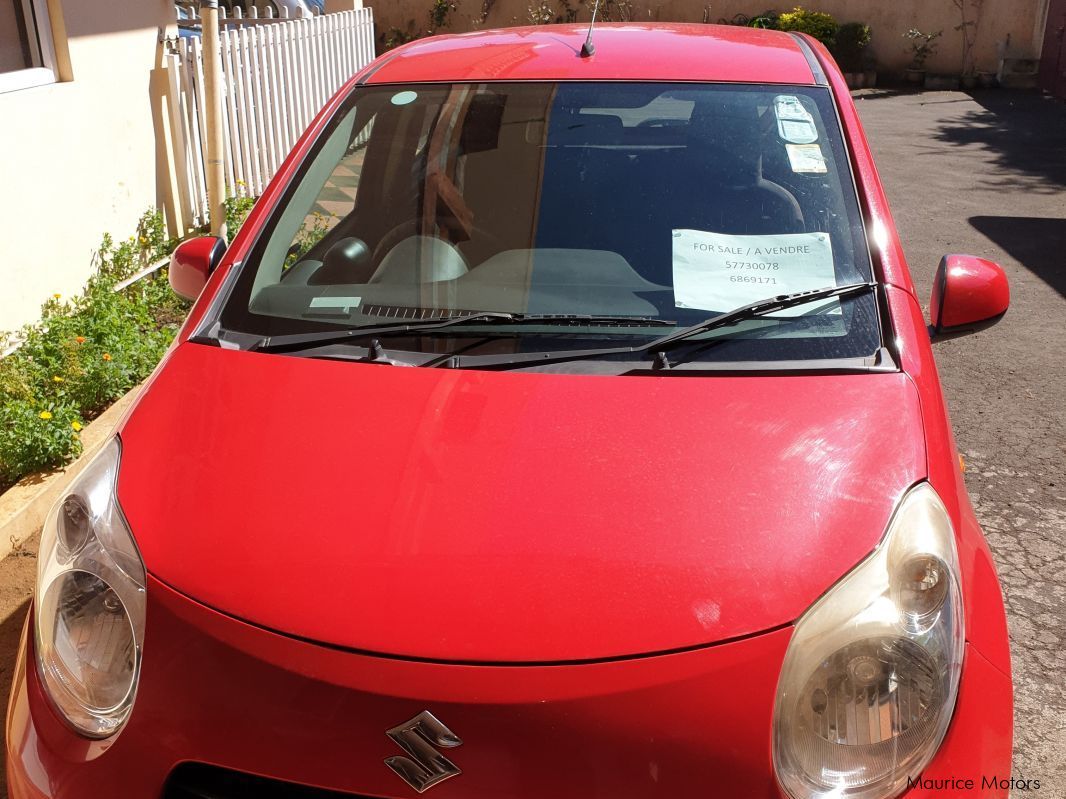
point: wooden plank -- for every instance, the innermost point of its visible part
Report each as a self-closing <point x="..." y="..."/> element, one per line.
<point x="351" y="42"/>
<point x="254" y="110"/>
<point x="264" y="74"/>
<point x="307" y="70"/>
<point x="196" y="72"/>
<point x="292" y="98"/>
<point x="262" y="138"/>
<point x="319" y="71"/>
<point x="242" y="107"/>
<point x="188" y="111"/>
<point x="366" y="40"/>
<point x="228" y="150"/>
<point x="277" y="82"/>
<point x="178" y="142"/>
<point x="229" y="70"/>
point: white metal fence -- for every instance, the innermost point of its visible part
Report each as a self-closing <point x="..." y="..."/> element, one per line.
<point x="277" y="74"/>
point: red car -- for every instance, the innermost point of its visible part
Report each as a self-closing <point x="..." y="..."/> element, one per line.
<point x="562" y="422"/>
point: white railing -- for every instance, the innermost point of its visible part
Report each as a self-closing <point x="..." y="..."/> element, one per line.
<point x="277" y="74"/>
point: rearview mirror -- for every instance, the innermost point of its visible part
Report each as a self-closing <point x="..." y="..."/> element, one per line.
<point x="192" y="263"/>
<point x="969" y="294"/>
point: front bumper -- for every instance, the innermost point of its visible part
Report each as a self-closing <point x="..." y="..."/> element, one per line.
<point x="218" y="691"/>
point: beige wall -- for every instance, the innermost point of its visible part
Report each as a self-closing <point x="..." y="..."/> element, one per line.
<point x="78" y="158"/>
<point x="888" y="20"/>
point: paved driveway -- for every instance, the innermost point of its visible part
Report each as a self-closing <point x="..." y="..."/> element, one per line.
<point x="986" y="175"/>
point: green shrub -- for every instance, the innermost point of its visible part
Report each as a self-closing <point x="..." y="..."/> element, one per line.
<point x="33" y="437"/>
<point x="237" y="210"/>
<point x="767" y="20"/>
<point x="86" y="352"/>
<point x="816" y="23"/>
<point x="852" y="39"/>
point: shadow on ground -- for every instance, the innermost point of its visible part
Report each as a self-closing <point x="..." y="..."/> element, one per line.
<point x="1038" y="244"/>
<point x="1023" y="132"/>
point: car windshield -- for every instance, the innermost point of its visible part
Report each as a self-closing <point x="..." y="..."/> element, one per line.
<point x="643" y="205"/>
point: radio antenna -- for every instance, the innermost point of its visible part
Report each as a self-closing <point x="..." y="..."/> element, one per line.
<point x="588" y="48"/>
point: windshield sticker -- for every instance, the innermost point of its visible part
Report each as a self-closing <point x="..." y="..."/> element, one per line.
<point x="344" y="304"/>
<point x="806" y="159"/>
<point x="403" y="98"/>
<point x="719" y="272"/>
<point x="794" y="122"/>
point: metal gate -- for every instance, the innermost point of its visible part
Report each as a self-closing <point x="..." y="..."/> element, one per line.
<point x="1053" y="56"/>
<point x="276" y="75"/>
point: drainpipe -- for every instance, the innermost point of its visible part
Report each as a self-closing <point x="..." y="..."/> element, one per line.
<point x="216" y="180"/>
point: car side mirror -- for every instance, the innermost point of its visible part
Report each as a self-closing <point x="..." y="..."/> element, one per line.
<point x="969" y="294"/>
<point x="192" y="264"/>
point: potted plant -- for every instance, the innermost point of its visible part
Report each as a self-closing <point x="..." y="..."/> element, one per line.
<point x="922" y="45"/>
<point x="849" y="49"/>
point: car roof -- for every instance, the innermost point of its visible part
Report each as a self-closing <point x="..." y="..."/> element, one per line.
<point x="623" y="51"/>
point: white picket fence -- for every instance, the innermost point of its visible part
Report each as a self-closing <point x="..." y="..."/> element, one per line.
<point x="278" y="73"/>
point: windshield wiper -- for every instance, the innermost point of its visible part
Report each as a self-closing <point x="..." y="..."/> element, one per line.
<point x="660" y="345"/>
<point x="421" y="326"/>
<point x="755" y="310"/>
<point x="296" y="340"/>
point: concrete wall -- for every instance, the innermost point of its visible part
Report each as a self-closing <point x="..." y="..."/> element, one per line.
<point x="79" y="157"/>
<point x="888" y="20"/>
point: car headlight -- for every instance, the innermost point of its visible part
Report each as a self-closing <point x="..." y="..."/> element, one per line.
<point x="870" y="677"/>
<point x="90" y="603"/>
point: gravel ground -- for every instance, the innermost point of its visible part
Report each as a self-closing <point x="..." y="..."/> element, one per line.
<point x="986" y="175"/>
<point x="982" y="174"/>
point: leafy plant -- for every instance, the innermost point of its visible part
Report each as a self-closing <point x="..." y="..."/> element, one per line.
<point x="540" y="14"/>
<point x="818" y="24"/>
<point x="486" y="7"/>
<point x="766" y="20"/>
<point x="617" y="11"/>
<point x="237" y="210"/>
<point x="394" y="37"/>
<point x="86" y="352"/>
<point x="314" y="229"/>
<point x="852" y="39"/>
<point x="922" y="45"/>
<point x="439" y="13"/>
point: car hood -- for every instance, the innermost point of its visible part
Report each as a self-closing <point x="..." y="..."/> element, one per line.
<point x="509" y="517"/>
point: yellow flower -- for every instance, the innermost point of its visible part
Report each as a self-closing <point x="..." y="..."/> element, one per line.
<point x="57" y="296"/>
<point x="57" y="379"/>
<point x="46" y="415"/>
<point x="107" y="356"/>
<point x="144" y="240"/>
<point x="76" y="426"/>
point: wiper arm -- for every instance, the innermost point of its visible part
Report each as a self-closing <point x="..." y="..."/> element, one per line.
<point x="298" y="340"/>
<point x="755" y="310"/>
<point x="303" y="340"/>
<point x="660" y="345"/>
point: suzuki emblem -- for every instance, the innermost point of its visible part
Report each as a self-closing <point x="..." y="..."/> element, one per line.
<point x="424" y="766"/>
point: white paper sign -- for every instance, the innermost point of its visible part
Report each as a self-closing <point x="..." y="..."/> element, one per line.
<point x="719" y="272"/>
